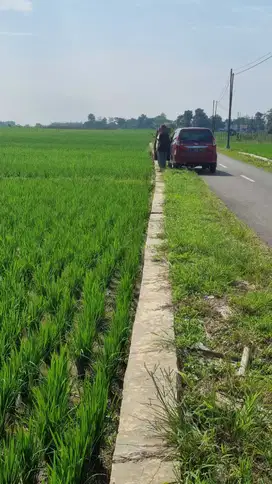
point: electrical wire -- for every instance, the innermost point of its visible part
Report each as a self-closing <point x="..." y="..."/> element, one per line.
<point x="241" y="70"/>
<point x="252" y="67"/>
<point x="253" y="62"/>
<point x="222" y="107"/>
<point x="223" y="92"/>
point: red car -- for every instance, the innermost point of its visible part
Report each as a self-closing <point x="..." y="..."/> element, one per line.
<point x="192" y="147"/>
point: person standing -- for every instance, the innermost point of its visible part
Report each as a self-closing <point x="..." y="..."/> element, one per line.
<point x="162" y="146"/>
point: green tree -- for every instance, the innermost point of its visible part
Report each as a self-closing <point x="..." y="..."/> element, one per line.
<point x="160" y="119"/>
<point x="218" y="122"/>
<point x="269" y="121"/>
<point x="144" y="122"/>
<point x="185" y="120"/>
<point x="259" y="121"/>
<point x="132" y="123"/>
<point x="201" y="119"/>
<point x="120" y="122"/>
<point x="180" y="121"/>
<point x="188" y="118"/>
<point x="91" y="118"/>
<point x="241" y="123"/>
<point x="101" y="123"/>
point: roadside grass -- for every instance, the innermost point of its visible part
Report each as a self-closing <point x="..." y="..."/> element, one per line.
<point x="221" y="274"/>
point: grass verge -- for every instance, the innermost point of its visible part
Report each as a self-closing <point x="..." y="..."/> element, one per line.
<point x="221" y="276"/>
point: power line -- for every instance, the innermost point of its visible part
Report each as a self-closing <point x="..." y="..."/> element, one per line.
<point x="252" y="67"/>
<point x="262" y="59"/>
<point x="253" y="62"/>
<point x="244" y="68"/>
<point x="222" y="107"/>
<point x="223" y="92"/>
<point x="230" y="85"/>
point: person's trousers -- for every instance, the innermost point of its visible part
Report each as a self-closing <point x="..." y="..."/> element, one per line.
<point x="162" y="159"/>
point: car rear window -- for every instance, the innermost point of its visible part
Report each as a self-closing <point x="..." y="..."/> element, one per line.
<point x="196" y="135"/>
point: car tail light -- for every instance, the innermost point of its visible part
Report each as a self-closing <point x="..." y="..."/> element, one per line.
<point x="212" y="146"/>
<point x="180" y="145"/>
<point x="214" y="142"/>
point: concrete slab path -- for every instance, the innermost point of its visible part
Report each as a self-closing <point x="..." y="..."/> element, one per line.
<point x="141" y="457"/>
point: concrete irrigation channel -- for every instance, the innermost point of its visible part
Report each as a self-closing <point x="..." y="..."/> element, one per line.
<point x="262" y="158"/>
<point x="140" y="455"/>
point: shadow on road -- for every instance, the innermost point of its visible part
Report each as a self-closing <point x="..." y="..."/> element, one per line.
<point x="218" y="173"/>
<point x="199" y="171"/>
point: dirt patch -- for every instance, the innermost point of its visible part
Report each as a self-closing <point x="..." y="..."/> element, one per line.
<point x="217" y="314"/>
<point x="244" y="286"/>
<point x="221" y="307"/>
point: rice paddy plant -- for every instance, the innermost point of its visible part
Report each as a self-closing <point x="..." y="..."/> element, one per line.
<point x="19" y="458"/>
<point x="73" y="211"/>
<point x="52" y="402"/>
<point x="44" y="299"/>
<point x="86" y="328"/>
<point x="67" y="466"/>
<point x="83" y="434"/>
<point x="35" y="439"/>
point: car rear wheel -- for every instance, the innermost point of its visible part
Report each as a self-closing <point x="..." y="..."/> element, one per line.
<point x="213" y="168"/>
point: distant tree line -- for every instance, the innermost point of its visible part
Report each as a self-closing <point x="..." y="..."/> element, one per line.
<point x="257" y="123"/>
<point x="7" y="124"/>
<point x="188" y="118"/>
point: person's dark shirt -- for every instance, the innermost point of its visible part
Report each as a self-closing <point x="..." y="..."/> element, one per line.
<point x="163" y="143"/>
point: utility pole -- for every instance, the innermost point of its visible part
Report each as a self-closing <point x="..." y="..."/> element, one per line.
<point x="230" y="107"/>
<point x="213" y="111"/>
<point x="215" y="103"/>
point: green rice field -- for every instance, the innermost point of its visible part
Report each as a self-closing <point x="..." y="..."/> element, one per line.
<point x="73" y="213"/>
<point x="255" y="148"/>
<point x="260" y="147"/>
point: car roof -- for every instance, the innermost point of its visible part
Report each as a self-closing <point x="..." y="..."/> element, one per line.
<point x="194" y="128"/>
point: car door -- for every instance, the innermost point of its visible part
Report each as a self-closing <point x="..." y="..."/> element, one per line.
<point x="174" y="144"/>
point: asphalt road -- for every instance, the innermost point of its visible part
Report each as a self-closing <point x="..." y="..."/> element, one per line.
<point x="247" y="191"/>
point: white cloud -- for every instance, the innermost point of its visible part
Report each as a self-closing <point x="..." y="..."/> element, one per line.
<point x="17" y="5"/>
<point x="263" y="9"/>
<point x="170" y="3"/>
<point x="239" y="28"/>
<point x="16" y="34"/>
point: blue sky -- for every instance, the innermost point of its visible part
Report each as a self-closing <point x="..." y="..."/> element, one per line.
<point x="61" y="59"/>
